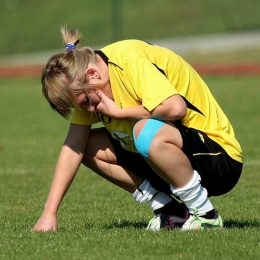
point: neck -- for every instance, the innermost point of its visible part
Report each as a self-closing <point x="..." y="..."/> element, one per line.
<point x="104" y="75"/>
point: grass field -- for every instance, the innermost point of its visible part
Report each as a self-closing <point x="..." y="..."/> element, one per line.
<point x="98" y="220"/>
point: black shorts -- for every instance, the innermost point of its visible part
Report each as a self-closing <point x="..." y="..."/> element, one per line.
<point x="219" y="172"/>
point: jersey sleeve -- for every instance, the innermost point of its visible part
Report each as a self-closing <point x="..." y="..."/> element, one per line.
<point x="149" y="82"/>
<point x="83" y="117"/>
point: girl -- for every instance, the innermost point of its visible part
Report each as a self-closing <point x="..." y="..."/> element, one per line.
<point x="164" y="134"/>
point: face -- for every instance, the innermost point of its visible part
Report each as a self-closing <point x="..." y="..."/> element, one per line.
<point x="88" y="100"/>
<point x="97" y="75"/>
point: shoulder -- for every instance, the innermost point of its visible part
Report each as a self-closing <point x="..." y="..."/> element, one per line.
<point x="124" y="48"/>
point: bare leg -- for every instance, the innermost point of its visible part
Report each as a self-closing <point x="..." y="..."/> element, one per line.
<point x="100" y="157"/>
<point x="166" y="157"/>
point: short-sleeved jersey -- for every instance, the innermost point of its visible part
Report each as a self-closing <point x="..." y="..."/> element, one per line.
<point x="143" y="74"/>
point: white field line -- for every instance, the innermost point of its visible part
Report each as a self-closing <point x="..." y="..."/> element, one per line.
<point x="18" y="171"/>
<point x="31" y="171"/>
<point x="252" y="162"/>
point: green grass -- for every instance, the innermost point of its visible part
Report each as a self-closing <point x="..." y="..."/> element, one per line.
<point x="29" y="26"/>
<point x="98" y="220"/>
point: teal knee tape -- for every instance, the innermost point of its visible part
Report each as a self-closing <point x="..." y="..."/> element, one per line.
<point x="143" y="142"/>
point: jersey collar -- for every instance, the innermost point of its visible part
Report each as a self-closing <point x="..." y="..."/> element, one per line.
<point x="102" y="55"/>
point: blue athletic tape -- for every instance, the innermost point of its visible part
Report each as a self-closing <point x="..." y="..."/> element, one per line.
<point x="143" y="142"/>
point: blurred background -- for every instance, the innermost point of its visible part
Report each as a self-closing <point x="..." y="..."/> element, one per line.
<point x="214" y="36"/>
<point x="204" y="32"/>
<point x="30" y="26"/>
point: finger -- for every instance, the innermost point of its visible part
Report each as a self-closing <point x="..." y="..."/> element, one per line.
<point x="97" y="90"/>
<point x="99" y="93"/>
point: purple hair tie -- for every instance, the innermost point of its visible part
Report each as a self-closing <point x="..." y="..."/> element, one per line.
<point x="70" y="46"/>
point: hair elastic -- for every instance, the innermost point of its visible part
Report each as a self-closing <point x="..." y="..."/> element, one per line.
<point x="70" y="46"/>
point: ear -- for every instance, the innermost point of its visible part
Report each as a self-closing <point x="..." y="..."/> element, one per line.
<point x="92" y="72"/>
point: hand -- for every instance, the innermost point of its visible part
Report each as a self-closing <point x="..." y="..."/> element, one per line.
<point x="47" y="222"/>
<point x="106" y="105"/>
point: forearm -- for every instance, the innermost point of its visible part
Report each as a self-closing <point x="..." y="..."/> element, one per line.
<point x="137" y="112"/>
<point x="63" y="176"/>
<point x="67" y="165"/>
<point x="61" y="181"/>
<point x="173" y="108"/>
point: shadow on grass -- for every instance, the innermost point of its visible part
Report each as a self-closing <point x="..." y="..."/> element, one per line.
<point x="127" y="224"/>
<point x="230" y="224"/>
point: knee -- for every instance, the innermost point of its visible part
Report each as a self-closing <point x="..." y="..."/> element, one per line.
<point x="144" y="133"/>
<point x="138" y="127"/>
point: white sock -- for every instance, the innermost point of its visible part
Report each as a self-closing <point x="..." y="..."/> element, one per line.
<point x="194" y="195"/>
<point x="146" y="194"/>
<point x="159" y="200"/>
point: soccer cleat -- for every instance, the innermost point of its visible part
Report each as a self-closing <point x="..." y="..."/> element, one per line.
<point x="166" y="221"/>
<point x="197" y="222"/>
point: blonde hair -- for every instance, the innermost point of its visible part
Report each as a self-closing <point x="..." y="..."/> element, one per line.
<point x="64" y="75"/>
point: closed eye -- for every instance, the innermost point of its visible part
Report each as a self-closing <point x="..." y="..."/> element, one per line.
<point x="86" y="101"/>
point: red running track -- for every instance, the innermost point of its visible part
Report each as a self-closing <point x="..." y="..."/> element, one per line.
<point x="217" y="69"/>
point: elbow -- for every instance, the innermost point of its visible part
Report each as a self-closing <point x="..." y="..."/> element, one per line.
<point x="181" y="115"/>
<point x="175" y="108"/>
<point x="178" y="113"/>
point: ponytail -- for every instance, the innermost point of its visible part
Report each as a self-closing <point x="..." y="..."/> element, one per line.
<point x="70" y="37"/>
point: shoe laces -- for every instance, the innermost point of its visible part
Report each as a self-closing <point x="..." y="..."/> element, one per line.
<point x="196" y="216"/>
<point x="151" y="222"/>
<point x="195" y="212"/>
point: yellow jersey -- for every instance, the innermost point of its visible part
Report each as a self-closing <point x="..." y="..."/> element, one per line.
<point x="144" y="74"/>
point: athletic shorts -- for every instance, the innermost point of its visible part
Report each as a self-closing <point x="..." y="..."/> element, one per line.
<point x="219" y="172"/>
